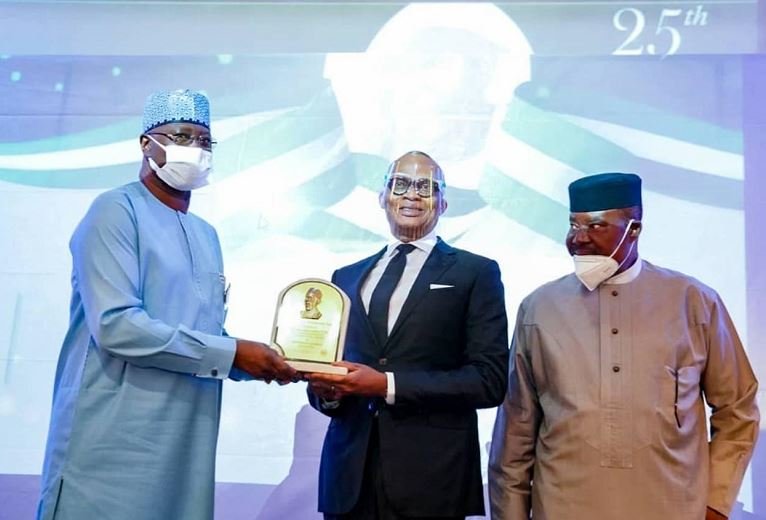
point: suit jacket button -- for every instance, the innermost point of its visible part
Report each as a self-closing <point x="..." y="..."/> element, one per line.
<point x="382" y="361"/>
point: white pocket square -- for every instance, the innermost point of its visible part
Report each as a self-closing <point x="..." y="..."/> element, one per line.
<point x="440" y="286"/>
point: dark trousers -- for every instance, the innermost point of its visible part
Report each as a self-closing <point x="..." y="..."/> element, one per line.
<point x="373" y="502"/>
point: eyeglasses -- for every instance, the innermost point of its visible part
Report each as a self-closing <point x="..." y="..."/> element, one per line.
<point x="424" y="186"/>
<point x="598" y="227"/>
<point x="591" y="228"/>
<point x="182" y="139"/>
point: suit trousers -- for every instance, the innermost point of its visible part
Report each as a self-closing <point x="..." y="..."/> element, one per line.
<point x="372" y="503"/>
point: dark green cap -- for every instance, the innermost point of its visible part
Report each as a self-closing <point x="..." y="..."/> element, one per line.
<point x="605" y="191"/>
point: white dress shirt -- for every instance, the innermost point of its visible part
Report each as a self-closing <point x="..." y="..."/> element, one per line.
<point x="415" y="261"/>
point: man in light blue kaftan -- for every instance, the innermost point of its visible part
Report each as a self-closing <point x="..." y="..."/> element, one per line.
<point x="137" y="395"/>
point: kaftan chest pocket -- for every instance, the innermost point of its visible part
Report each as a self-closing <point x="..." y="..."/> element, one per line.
<point x="680" y="407"/>
<point x="673" y="415"/>
<point x="215" y="290"/>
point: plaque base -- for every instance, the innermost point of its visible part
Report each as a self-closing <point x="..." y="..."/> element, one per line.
<point x="310" y="366"/>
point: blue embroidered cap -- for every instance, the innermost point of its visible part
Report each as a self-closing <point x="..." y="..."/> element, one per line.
<point x="176" y="106"/>
<point x="605" y="191"/>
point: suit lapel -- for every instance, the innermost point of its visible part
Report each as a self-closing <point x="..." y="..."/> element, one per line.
<point x="441" y="258"/>
<point x="356" y="298"/>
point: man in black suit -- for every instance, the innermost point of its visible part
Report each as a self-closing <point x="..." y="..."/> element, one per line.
<point x="426" y="346"/>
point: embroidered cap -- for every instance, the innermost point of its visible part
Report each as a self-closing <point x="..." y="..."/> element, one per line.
<point x="176" y="106"/>
<point x="605" y="191"/>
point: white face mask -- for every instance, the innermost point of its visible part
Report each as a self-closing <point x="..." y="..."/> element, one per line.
<point x="186" y="167"/>
<point x="593" y="270"/>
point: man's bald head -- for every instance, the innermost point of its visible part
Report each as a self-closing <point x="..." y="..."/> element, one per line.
<point x="413" y="196"/>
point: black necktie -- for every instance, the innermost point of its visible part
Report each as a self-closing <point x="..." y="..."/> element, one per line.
<point x="381" y="296"/>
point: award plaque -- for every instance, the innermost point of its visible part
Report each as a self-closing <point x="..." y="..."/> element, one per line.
<point x="310" y="325"/>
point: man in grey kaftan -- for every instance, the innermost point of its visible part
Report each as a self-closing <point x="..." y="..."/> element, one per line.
<point x="604" y="417"/>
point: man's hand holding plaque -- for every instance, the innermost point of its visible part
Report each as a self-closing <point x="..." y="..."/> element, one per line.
<point x="262" y="363"/>
<point x="310" y="326"/>
<point x="360" y="380"/>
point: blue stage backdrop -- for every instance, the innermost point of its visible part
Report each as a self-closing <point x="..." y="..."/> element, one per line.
<point x="310" y="102"/>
